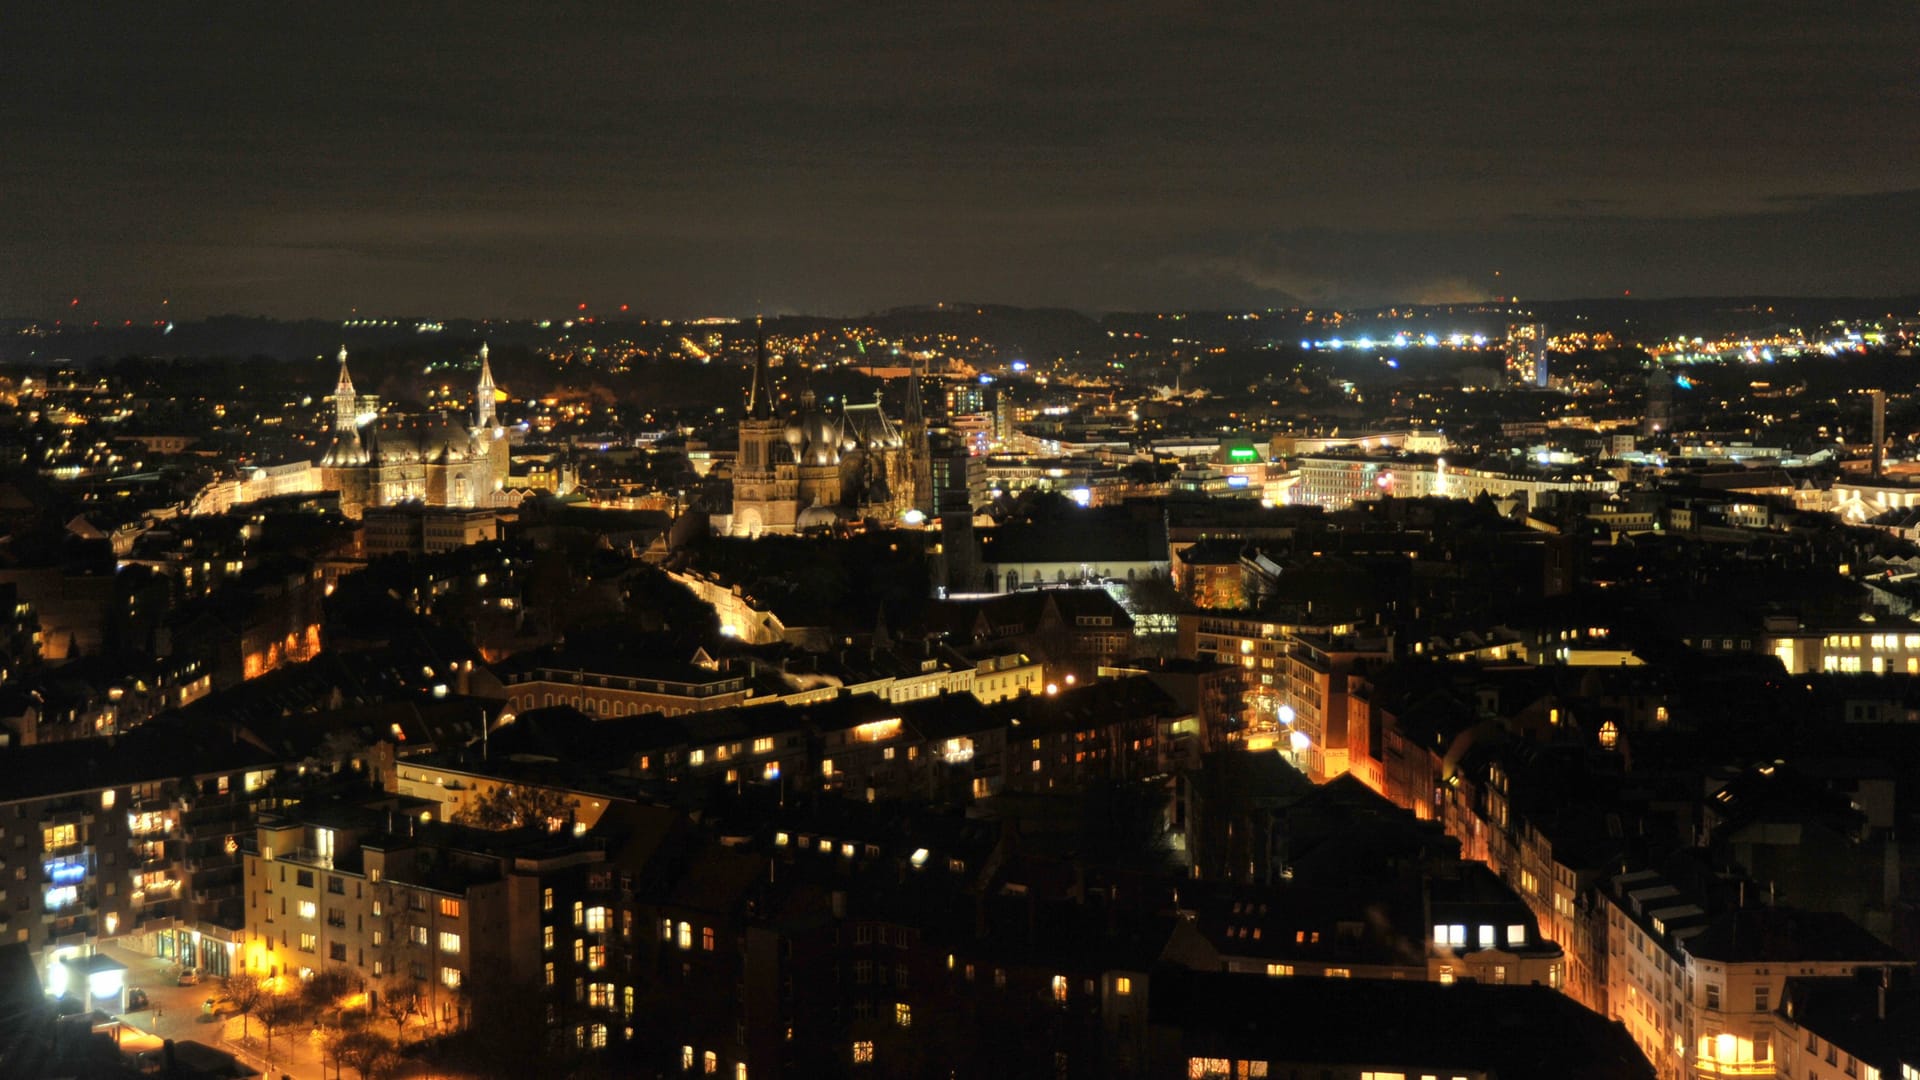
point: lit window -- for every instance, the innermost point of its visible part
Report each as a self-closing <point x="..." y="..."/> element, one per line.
<point x="666" y="929"/>
<point x="579" y="913"/>
<point x="307" y="909"/>
<point x="1446" y="975"/>
<point x="59" y="836"/>
<point x="596" y="957"/>
<point x="106" y="799"/>
<point x="1516" y="934"/>
<point x="1205" y="1068"/>
<point x="449" y="907"/>
<point x="596" y="919"/>
<point x="546" y="900"/>
<point x="686" y="1058"/>
<point x="308" y="942"/>
<point x="450" y="976"/>
<point x="686" y="935"/>
<point x="706" y="938"/>
<point x="863" y="1052"/>
<point x="1060" y="989"/>
<point x="449" y="942"/>
<point x="546" y="938"/>
<point x="1486" y="936"/>
<point x="549" y="973"/>
<point x="1123" y="986"/>
<point x="579" y="950"/>
<point x="762" y="745"/>
<point x="710" y="1063"/>
<point x="1278" y="970"/>
<point x="903" y="1014"/>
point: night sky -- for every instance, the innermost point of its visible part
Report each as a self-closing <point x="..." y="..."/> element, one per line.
<point x="480" y="159"/>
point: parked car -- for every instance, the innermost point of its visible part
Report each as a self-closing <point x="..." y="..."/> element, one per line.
<point x="188" y="977"/>
<point x="136" y="999"/>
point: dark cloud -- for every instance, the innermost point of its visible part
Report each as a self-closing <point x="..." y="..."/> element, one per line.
<point x="508" y="158"/>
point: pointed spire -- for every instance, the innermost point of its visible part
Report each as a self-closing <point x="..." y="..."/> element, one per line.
<point x="345" y="403"/>
<point x="483" y="394"/>
<point x="760" y="393"/>
<point x="913" y="415"/>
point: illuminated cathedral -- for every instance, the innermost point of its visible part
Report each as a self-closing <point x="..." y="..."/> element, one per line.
<point x="817" y="468"/>
<point x="437" y="458"/>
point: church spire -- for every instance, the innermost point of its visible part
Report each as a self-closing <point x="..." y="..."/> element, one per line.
<point x="483" y="394"/>
<point x="760" y="394"/>
<point x="913" y="412"/>
<point x="345" y="403"/>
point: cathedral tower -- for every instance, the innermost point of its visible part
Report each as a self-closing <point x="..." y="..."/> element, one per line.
<point x="919" y="454"/>
<point x="483" y="394"/>
<point x="345" y="404"/>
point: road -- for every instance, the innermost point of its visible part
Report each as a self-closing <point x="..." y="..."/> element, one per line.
<point x="176" y="1012"/>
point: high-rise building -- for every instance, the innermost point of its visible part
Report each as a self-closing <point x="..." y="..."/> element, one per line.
<point x="1659" y="413"/>
<point x="1527" y="355"/>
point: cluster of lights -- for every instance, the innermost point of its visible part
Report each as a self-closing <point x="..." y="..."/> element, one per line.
<point x="1398" y="341"/>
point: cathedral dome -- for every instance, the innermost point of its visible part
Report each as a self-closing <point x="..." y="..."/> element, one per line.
<point x="815" y="438"/>
<point x="345" y="451"/>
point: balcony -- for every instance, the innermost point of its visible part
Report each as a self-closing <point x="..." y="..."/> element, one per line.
<point x="1710" y="1067"/>
<point x="156" y="893"/>
<point x="213" y="894"/>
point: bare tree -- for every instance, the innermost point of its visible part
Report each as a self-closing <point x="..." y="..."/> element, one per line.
<point x="396" y="1001"/>
<point x="328" y="985"/>
<point x="367" y="1052"/>
<point x="247" y="992"/>
<point x="277" y="1012"/>
<point x="509" y="807"/>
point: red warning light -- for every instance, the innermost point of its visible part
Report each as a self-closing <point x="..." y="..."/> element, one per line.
<point x="583" y="307"/>
<point x="623" y="307"/>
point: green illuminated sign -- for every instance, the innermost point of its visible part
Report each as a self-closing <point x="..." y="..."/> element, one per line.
<point x="1243" y="453"/>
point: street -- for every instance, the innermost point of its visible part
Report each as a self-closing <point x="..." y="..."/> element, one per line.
<point x="176" y="1012"/>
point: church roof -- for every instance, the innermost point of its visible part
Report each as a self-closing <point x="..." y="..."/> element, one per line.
<point x="868" y="425"/>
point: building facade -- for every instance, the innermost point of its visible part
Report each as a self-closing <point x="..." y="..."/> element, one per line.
<point x="816" y="468"/>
